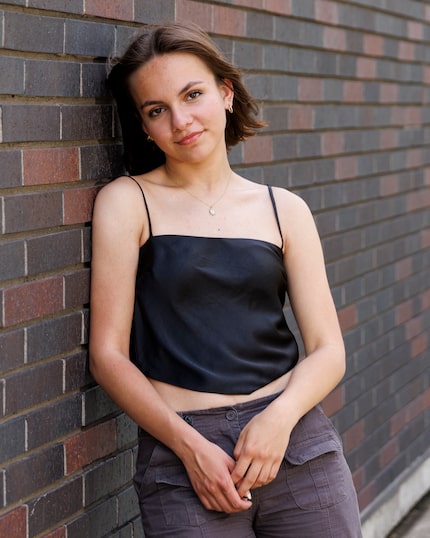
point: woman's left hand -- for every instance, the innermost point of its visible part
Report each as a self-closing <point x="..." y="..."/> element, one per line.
<point x="259" y="451"/>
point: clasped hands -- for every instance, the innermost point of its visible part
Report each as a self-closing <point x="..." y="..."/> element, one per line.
<point x="223" y="483"/>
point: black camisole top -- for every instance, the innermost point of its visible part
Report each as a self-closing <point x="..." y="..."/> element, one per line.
<point x="208" y="313"/>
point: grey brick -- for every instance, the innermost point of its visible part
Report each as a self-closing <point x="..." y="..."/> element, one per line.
<point x="248" y="55"/>
<point x="12" y="260"/>
<point x="285" y="147"/>
<point x="110" y="475"/>
<point x="34" y="472"/>
<point x="27" y="123"/>
<point x="260" y="25"/>
<point x="126" y="432"/>
<point x="327" y="64"/>
<point x="76" y="371"/>
<point x="50" y="423"/>
<point x="11" y="169"/>
<point x="94" y="80"/>
<point x="101" y="161"/>
<point x="76" y="6"/>
<point x="124" y="36"/>
<point x="13" y="83"/>
<point x="128" y="506"/>
<point x="53" y="251"/>
<point x="32" y="32"/>
<point x="95" y="522"/>
<point x="303" y="61"/>
<point x="303" y="9"/>
<point x="153" y="13"/>
<point x="12" y="438"/>
<point x="50" y="78"/>
<point x="55" y="505"/>
<point x="89" y="39"/>
<point x="54" y="337"/>
<point x="97" y="405"/>
<point x="276" y="57"/>
<point x="86" y="122"/>
<point x="309" y="144"/>
<point x="32" y="211"/>
<point x="12" y="350"/>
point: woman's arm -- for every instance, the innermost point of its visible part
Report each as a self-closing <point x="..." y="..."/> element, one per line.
<point x="118" y="231"/>
<point x="263" y="442"/>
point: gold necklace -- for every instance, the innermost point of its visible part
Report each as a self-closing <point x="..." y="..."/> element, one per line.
<point x="211" y="207"/>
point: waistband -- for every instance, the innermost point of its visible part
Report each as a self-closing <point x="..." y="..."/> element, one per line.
<point x="250" y="405"/>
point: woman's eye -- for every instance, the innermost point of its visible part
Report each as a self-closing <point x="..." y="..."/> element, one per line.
<point x="155" y="112"/>
<point x="193" y="95"/>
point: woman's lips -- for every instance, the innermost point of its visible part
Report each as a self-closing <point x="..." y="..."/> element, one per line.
<point x="189" y="139"/>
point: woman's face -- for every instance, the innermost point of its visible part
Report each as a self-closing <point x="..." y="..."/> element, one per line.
<point x="182" y="106"/>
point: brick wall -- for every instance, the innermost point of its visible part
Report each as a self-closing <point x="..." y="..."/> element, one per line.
<point x="345" y="86"/>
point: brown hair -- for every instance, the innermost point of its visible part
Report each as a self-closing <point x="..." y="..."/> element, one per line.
<point x="142" y="156"/>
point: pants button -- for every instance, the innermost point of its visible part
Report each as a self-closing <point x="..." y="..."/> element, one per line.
<point x="231" y="414"/>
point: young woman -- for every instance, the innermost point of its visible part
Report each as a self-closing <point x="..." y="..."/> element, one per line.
<point x="191" y="266"/>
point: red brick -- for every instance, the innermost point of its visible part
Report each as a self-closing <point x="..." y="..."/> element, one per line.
<point x="414" y="157"/>
<point x="419" y="345"/>
<point x="418" y="200"/>
<point x="300" y="118"/>
<point x="403" y="268"/>
<point x="78" y="204"/>
<point x="373" y="45"/>
<point x="425" y="239"/>
<point x="229" y="21"/>
<point x="403" y="312"/>
<point x="33" y="300"/>
<point x="53" y="165"/>
<point x="114" y="9"/>
<point x="389" y="452"/>
<point x="345" y="167"/>
<point x="334" y="401"/>
<point x="200" y="14"/>
<point x="89" y="446"/>
<point x="354" y="436"/>
<point x="14" y="523"/>
<point x="258" y="149"/>
<point x="388" y="92"/>
<point x="366" y="68"/>
<point x="348" y="317"/>
<point x="326" y="11"/>
<point x="332" y="142"/>
<point x="426" y="74"/>
<point x="310" y="89"/>
<point x="283" y="7"/>
<point x="77" y="288"/>
<point x="367" y="495"/>
<point x="415" y="30"/>
<point x="389" y="185"/>
<point x="334" y="38"/>
<point x="359" y="478"/>
<point x="406" y="51"/>
<point x="413" y="328"/>
<point x="353" y="91"/>
<point x="398" y="422"/>
<point x="388" y="138"/>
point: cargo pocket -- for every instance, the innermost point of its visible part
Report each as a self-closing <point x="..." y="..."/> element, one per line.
<point x="316" y="468"/>
<point x="180" y="503"/>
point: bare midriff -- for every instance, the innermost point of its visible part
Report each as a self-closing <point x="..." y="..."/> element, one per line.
<point x="181" y="399"/>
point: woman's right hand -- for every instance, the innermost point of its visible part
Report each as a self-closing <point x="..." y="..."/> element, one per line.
<point x="209" y="469"/>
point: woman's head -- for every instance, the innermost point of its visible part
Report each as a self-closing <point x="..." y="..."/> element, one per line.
<point x="141" y="155"/>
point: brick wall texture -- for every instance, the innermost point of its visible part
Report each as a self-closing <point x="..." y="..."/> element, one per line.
<point x="345" y="87"/>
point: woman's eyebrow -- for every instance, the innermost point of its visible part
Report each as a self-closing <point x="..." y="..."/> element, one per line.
<point x="184" y="89"/>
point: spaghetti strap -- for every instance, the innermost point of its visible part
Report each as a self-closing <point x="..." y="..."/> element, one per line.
<point x="144" y="201"/>
<point x="276" y="214"/>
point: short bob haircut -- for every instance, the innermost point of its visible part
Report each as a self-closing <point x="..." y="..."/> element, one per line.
<point x="142" y="156"/>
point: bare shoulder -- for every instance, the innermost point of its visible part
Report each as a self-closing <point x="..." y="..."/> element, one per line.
<point x="289" y="203"/>
<point x="119" y="207"/>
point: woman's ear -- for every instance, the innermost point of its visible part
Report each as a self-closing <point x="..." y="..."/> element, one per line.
<point x="228" y="91"/>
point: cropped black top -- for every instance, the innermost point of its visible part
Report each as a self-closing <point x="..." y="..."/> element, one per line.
<point x="208" y="313"/>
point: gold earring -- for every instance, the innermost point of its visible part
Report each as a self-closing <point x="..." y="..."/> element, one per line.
<point x="230" y="109"/>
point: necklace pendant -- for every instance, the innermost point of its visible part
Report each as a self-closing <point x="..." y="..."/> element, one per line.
<point x="212" y="211"/>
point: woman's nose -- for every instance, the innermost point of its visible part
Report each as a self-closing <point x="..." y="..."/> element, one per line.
<point x="180" y="119"/>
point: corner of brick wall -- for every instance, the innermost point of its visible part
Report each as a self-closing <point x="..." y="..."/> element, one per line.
<point x="345" y="88"/>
